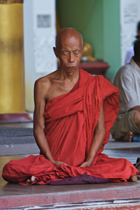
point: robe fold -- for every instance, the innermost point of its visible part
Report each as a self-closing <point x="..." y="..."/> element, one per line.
<point x="70" y="122"/>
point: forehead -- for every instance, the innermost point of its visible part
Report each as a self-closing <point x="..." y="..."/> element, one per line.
<point x="70" y="41"/>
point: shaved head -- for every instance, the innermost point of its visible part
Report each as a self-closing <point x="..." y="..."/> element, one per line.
<point x="69" y="49"/>
<point x="67" y="33"/>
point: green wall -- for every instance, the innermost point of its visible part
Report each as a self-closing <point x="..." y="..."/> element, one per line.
<point x="99" y="23"/>
<point x="112" y="39"/>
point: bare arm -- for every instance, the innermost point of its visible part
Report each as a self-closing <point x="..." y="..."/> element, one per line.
<point x="97" y="140"/>
<point x="40" y="90"/>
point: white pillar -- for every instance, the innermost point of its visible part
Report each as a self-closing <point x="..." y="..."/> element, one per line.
<point x="39" y="39"/>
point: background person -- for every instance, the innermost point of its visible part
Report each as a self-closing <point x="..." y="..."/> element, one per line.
<point x="127" y="80"/>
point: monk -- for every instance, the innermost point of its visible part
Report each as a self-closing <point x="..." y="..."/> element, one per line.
<point x="73" y="114"/>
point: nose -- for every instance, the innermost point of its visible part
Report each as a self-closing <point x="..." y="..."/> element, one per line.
<point x="71" y="58"/>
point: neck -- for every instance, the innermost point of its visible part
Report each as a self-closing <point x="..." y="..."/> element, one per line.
<point x="68" y="75"/>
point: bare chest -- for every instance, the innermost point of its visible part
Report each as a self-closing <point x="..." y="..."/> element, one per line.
<point x="59" y="89"/>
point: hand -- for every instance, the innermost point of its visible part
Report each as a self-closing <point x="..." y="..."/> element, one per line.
<point x="58" y="163"/>
<point x="86" y="164"/>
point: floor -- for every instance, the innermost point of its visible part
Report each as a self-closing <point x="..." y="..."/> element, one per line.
<point x="89" y="196"/>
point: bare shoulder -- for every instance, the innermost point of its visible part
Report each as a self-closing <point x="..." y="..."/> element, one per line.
<point x="44" y="82"/>
<point x="43" y="85"/>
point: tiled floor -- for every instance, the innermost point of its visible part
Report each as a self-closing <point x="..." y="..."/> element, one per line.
<point x="75" y="196"/>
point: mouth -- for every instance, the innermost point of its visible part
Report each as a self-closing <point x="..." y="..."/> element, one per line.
<point x="70" y="66"/>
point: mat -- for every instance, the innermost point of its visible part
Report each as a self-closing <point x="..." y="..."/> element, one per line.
<point x="10" y="135"/>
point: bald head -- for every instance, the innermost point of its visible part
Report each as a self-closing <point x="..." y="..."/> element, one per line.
<point x="66" y="33"/>
<point x="69" y="49"/>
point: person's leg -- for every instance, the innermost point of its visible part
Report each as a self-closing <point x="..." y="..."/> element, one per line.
<point x="125" y="126"/>
<point x="129" y="135"/>
<point x="136" y="118"/>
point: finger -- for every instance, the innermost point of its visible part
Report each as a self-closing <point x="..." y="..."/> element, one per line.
<point x="64" y="164"/>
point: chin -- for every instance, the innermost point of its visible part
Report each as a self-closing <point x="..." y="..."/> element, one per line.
<point x="71" y="68"/>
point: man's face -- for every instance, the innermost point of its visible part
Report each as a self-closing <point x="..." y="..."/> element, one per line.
<point x="69" y="53"/>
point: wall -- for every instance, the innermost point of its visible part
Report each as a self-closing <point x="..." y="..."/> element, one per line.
<point x="111" y="27"/>
<point x="99" y="23"/>
<point x="130" y="15"/>
<point x="39" y="39"/>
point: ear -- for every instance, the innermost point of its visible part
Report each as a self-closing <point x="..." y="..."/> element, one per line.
<point x="55" y="51"/>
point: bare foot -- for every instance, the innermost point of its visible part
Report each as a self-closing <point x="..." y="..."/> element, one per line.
<point x="31" y="180"/>
<point x="128" y="137"/>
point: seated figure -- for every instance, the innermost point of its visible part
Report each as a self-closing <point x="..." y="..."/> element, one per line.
<point x="127" y="80"/>
<point x="73" y="114"/>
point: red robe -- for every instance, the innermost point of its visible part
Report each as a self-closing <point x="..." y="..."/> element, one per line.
<point x="70" y="121"/>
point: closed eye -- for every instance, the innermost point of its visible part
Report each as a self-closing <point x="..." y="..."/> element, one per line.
<point x="65" y="53"/>
<point x="77" y="52"/>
